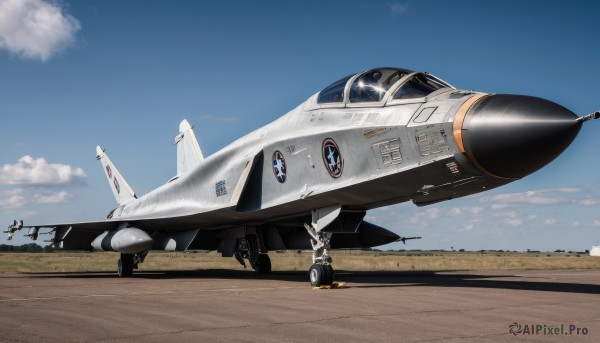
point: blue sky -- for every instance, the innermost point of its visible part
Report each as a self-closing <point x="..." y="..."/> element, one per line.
<point x="123" y="74"/>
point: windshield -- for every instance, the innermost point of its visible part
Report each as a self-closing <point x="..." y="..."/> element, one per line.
<point x="372" y="85"/>
<point x="333" y="92"/>
<point x="418" y="86"/>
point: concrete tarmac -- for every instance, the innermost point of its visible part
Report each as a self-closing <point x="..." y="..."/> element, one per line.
<point x="239" y="306"/>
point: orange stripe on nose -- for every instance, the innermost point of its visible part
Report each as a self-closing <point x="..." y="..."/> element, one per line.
<point x="459" y="119"/>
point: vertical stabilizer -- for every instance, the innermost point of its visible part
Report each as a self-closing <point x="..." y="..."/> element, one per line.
<point x="121" y="189"/>
<point x="189" y="154"/>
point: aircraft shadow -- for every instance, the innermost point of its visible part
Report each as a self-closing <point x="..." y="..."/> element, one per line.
<point x="354" y="279"/>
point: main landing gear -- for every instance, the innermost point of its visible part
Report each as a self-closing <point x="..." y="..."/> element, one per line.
<point x="262" y="265"/>
<point x="252" y="248"/>
<point x="128" y="262"/>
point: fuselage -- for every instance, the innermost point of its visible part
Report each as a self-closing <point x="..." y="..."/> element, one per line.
<point x="371" y="144"/>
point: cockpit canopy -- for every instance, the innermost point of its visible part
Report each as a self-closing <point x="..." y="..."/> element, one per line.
<point x="372" y="86"/>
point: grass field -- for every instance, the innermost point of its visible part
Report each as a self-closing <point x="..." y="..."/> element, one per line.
<point x="291" y="261"/>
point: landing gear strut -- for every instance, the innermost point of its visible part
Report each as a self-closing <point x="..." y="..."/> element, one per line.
<point x="128" y="262"/>
<point x="252" y="248"/>
<point x="321" y="272"/>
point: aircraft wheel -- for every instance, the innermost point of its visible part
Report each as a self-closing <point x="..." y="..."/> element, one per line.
<point x="263" y="264"/>
<point x="320" y="275"/>
<point x="316" y="275"/>
<point x="125" y="265"/>
<point x="329" y="273"/>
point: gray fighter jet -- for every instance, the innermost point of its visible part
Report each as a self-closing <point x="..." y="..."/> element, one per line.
<point x="376" y="138"/>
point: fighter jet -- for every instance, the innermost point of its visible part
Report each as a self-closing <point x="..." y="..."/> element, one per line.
<point x="305" y="181"/>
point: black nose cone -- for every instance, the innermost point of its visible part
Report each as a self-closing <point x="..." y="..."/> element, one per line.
<point x="511" y="136"/>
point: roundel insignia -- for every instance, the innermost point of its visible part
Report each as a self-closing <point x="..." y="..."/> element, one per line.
<point x="334" y="163"/>
<point x="279" y="167"/>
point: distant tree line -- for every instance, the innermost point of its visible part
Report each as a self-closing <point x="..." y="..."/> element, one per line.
<point x="30" y="247"/>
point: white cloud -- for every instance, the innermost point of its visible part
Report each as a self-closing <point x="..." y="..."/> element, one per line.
<point x="539" y="197"/>
<point x="562" y="190"/>
<point x="431" y="213"/>
<point x="54" y="198"/>
<point x="514" y="222"/>
<point x="398" y="8"/>
<point x="474" y="211"/>
<point x="424" y="216"/>
<point x="509" y="214"/>
<point x="38" y="172"/>
<point x="17" y="198"/>
<point x="467" y="227"/>
<point x="499" y="206"/>
<point x="454" y="212"/>
<point x="12" y="199"/>
<point x="471" y="211"/>
<point x="35" y="29"/>
<point x="550" y="221"/>
<point x="596" y="223"/>
<point x="589" y="202"/>
<point x="514" y="218"/>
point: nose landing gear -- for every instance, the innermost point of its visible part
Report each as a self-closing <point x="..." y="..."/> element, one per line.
<point x="321" y="272"/>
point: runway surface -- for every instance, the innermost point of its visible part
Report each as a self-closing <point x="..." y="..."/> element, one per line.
<point x="225" y="306"/>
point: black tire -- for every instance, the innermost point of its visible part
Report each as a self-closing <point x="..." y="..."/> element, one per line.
<point x="329" y="273"/>
<point x="316" y="274"/>
<point x="125" y="265"/>
<point x="263" y="264"/>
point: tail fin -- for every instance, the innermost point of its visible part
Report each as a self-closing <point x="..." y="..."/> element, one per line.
<point x="121" y="189"/>
<point x="189" y="154"/>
